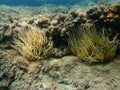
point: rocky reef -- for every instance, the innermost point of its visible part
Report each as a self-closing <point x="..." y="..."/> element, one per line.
<point x="63" y="73"/>
<point x="59" y="22"/>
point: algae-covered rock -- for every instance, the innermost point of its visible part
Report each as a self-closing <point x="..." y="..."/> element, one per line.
<point x="65" y="73"/>
<point x="57" y="25"/>
<point x="105" y="17"/>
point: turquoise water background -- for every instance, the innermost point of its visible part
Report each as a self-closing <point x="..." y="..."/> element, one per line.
<point x="44" y="2"/>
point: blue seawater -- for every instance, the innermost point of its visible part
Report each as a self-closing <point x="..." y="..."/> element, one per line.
<point x="43" y="2"/>
<point x="53" y="2"/>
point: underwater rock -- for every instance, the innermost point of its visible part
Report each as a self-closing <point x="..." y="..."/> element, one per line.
<point x="67" y="73"/>
<point x="58" y="72"/>
<point x="107" y="17"/>
<point x="112" y="16"/>
<point x="5" y="32"/>
<point x="57" y="25"/>
<point x="60" y="52"/>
